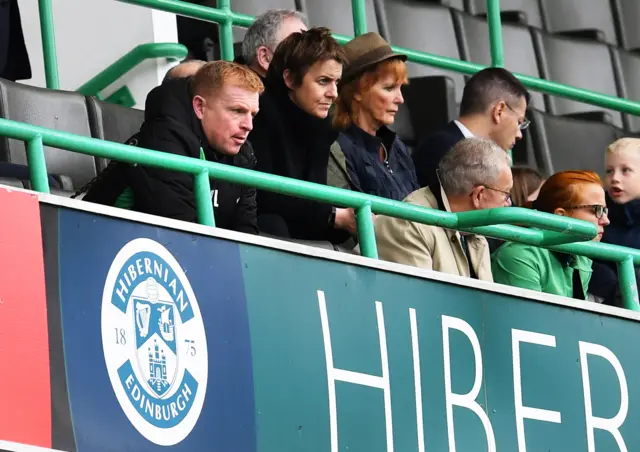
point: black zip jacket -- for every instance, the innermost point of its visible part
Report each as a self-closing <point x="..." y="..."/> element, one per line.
<point x="171" y="126"/>
<point x="290" y="142"/>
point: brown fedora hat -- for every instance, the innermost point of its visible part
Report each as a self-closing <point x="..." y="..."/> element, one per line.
<point x="365" y="51"/>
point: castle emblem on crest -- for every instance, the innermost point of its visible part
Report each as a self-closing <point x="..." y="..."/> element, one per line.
<point x="154" y="342"/>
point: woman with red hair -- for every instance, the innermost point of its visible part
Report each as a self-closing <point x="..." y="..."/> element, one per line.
<point x="367" y="156"/>
<point x="575" y="194"/>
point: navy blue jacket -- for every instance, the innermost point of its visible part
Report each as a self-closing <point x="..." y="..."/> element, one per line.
<point x="428" y="155"/>
<point x="624" y="230"/>
<point x="393" y="178"/>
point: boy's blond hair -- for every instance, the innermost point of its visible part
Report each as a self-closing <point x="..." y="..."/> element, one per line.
<point x="624" y="145"/>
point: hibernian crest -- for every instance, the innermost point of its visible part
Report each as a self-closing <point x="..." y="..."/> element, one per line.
<point x="154" y="342"/>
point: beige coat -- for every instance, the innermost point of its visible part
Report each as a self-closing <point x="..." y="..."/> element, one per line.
<point x="430" y="247"/>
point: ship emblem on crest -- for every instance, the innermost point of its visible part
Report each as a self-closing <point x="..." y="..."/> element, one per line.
<point x="154" y="342"/>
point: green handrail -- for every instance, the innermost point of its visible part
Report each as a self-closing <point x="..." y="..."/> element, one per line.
<point x="134" y="57"/>
<point x="464" y="67"/>
<point x="555" y="232"/>
<point x="495" y="33"/>
<point x="48" y="44"/>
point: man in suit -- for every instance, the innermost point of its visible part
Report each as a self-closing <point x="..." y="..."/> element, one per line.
<point x="14" y="59"/>
<point x="493" y="106"/>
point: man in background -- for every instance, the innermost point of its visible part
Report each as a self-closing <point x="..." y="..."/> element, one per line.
<point x="262" y="38"/>
<point x="494" y="103"/>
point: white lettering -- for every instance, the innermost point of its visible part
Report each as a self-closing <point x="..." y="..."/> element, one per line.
<point x="148" y="407"/>
<point x="135" y="393"/>
<point x="142" y="400"/>
<point x="465" y="400"/>
<point x="157" y="269"/>
<point x="147" y="265"/>
<point x="417" y="381"/>
<point x="180" y="402"/>
<point x="172" y="285"/>
<point x="180" y="300"/>
<point x="522" y="411"/>
<point x="174" y="412"/>
<point x="348" y="376"/>
<point x="186" y="391"/>
<point x="132" y="272"/>
<point x="139" y="266"/>
<point x="122" y="290"/>
<point x="214" y="195"/>
<point x="158" y="413"/>
<point x="128" y="381"/>
<point x="611" y="425"/>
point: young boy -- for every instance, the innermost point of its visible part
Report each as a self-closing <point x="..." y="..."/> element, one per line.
<point x="622" y="162"/>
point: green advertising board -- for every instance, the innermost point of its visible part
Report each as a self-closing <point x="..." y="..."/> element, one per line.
<point x="353" y="358"/>
<point x="281" y="347"/>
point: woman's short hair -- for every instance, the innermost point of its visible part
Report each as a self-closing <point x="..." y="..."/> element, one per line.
<point x="563" y="190"/>
<point x="525" y="182"/>
<point x="346" y="110"/>
<point x="301" y="50"/>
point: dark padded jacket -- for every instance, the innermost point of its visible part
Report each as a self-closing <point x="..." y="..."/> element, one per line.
<point x="624" y="230"/>
<point x="171" y="126"/>
<point x="291" y="143"/>
<point x="360" y="164"/>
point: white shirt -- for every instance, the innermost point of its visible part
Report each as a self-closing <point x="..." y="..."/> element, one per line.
<point x="465" y="132"/>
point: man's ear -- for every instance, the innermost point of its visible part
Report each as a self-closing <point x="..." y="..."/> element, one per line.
<point x="198" y="106"/>
<point x="263" y="57"/>
<point x="476" y="195"/>
<point x="498" y="111"/>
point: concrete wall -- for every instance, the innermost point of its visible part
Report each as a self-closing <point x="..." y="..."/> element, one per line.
<point x="91" y="34"/>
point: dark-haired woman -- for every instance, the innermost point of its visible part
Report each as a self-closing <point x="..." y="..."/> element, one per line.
<point x="292" y="135"/>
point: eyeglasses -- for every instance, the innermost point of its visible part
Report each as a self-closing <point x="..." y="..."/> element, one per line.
<point x="507" y="195"/>
<point x="598" y="210"/>
<point x="525" y="122"/>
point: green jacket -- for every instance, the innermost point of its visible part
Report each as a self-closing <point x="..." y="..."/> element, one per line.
<point x="530" y="267"/>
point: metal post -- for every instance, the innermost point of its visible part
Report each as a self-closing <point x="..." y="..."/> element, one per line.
<point x="37" y="165"/>
<point x="628" y="285"/>
<point x="49" y="44"/>
<point x="358" y="9"/>
<point x="366" y="233"/>
<point x="495" y="33"/>
<point x="226" y="31"/>
<point x="204" y="204"/>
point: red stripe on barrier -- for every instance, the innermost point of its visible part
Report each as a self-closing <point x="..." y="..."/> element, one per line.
<point x="25" y="392"/>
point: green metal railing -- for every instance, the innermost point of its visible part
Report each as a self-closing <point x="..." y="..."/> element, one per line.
<point x="171" y="51"/>
<point x="552" y="231"/>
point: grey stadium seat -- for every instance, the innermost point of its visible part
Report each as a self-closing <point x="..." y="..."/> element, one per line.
<point x="628" y="12"/>
<point x="627" y="65"/>
<point x="519" y="52"/>
<point x="521" y="11"/>
<point x="336" y="14"/>
<point x="425" y="27"/>
<point x="254" y="8"/>
<point x="112" y="122"/>
<point x="578" y="16"/>
<point x="577" y="62"/>
<point x="58" y="110"/>
<point x="563" y="143"/>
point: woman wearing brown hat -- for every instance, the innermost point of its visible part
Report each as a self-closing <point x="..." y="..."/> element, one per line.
<point x="292" y="135"/>
<point x="368" y="157"/>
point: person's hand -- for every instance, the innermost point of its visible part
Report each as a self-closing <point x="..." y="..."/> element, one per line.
<point x="346" y="220"/>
